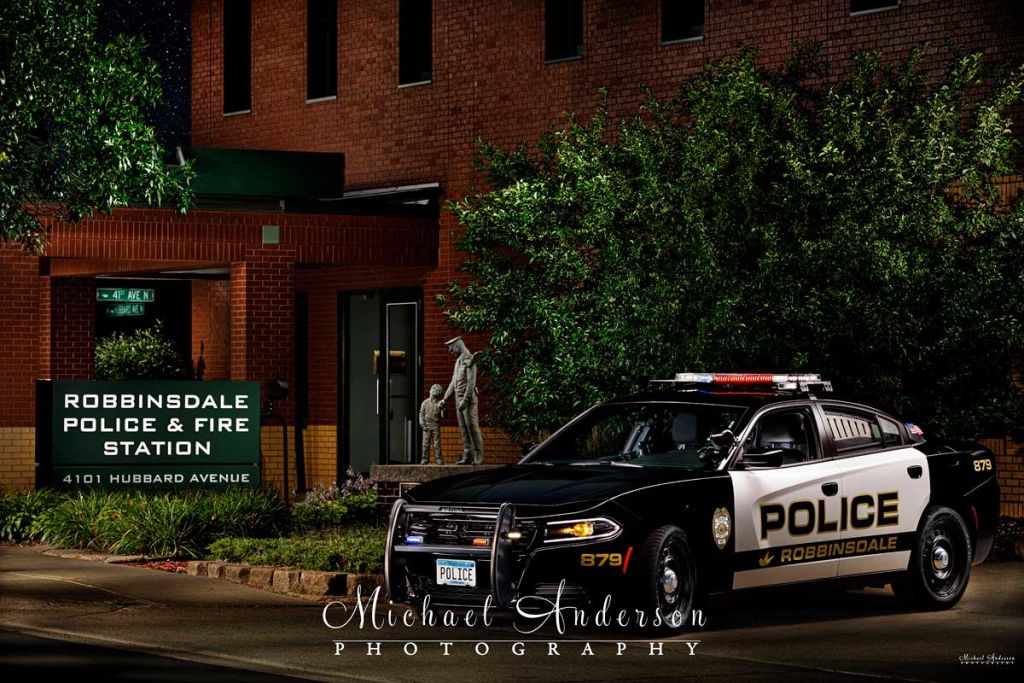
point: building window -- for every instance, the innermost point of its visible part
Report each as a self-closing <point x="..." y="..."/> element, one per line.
<point x="415" y="28"/>
<point x="563" y="30"/>
<point x="321" y="49"/>
<point x="862" y="6"/>
<point x="682" y="20"/>
<point x="237" y="56"/>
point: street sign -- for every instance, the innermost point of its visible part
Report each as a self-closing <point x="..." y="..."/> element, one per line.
<point x="145" y="296"/>
<point x="124" y="310"/>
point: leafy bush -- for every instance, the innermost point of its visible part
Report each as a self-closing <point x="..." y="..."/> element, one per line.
<point x="763" y="220"/>
<point x="160" y="525"/>
<point x="354" y="549"/>
<point x="245" y="512"/>
<point x="143" y="354"/>
<point x="325" y="507"/>
<point x="85" y="520"/>
<point x="359" y="507"/>
<point x="19" y="511"/>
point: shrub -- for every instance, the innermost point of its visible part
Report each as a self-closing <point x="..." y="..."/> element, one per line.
<point x="85" y="520"/>
<point x="353" y="549"/>
<point x="359" y="507"/>
<point x="161" y="525"/>
<point x="19" y="511"/>
<point x="331" y="506"/>
<point x="143" y="354"/>
<point x="245" y="512"/>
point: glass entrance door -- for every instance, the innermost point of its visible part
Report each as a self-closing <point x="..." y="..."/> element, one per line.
<point x="380" y="362"/>
<point x="402" y="365"/>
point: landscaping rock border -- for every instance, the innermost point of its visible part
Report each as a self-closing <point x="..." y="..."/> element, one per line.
<point x="284" y="580"/>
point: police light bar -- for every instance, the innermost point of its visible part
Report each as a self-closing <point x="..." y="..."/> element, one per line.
<point x="801" y="382"/>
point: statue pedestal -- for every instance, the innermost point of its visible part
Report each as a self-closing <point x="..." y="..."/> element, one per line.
<point x="393" y="480"/>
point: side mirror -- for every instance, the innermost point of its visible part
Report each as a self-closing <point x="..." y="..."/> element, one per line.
<point x="528" y="447"/>
<point x="763" y="460"/>
<point x="723" y="439"/>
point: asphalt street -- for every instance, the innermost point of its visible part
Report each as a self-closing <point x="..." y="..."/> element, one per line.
<point x="60" y="616"/>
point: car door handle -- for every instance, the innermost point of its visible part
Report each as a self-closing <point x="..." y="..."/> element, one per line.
<point x="915" y="471"/>
<point x="830" y="488"/>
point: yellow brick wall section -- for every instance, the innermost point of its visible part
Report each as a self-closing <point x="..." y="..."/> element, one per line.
<point x="271" y="467"/>
<point x="321" y="448"/>
<point x="17" y="458"/>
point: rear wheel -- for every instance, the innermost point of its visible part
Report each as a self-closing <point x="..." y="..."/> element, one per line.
<point x="667" y="576"/>
<point x="940" y="564"/>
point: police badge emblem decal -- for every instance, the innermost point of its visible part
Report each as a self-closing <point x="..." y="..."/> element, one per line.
<point x="721" y="526"/>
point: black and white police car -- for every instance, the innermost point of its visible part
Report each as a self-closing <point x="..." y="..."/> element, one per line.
<point x="705" y="484"/>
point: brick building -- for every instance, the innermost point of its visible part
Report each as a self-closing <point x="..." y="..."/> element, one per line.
<point x="283" y="284"/>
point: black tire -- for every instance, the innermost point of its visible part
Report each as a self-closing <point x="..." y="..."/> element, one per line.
<point x="940" y="564"/>
<point x="666" y="580"/>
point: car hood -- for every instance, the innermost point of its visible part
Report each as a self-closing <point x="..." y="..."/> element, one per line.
<point x="547" y="485"/>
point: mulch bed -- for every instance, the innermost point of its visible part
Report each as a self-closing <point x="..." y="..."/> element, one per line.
<point x="175" y="566"/>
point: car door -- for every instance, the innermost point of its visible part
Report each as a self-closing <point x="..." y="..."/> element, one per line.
<point x="885" y="488"/>
<point x="786" y="515"/>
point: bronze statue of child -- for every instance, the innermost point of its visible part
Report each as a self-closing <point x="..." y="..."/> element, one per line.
<point x="431" y="412"/>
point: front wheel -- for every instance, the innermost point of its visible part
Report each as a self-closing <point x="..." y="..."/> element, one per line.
<point x="667" y="577"/>
<point x="940" y="564"/>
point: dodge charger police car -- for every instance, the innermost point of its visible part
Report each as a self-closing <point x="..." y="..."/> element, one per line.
<point x="707" y="483"/>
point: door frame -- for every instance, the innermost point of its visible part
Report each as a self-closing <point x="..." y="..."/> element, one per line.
<point x="385" y="296"/>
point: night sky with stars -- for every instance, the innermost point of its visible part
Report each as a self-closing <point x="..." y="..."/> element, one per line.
<point x="166" y="26"/>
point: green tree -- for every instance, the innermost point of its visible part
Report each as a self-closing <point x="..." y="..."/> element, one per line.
<point x="73" y="132"/>
<point x="764" y="219"/>
<point x="144" y="354"/>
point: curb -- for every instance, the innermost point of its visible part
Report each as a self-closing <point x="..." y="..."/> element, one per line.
<point x="94" y="556"/>
<point x="287" y="581"/>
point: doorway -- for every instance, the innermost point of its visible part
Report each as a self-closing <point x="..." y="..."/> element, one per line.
<point x="380" y="377"/>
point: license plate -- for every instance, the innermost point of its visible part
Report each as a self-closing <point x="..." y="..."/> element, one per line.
<point x="456" y="573"/>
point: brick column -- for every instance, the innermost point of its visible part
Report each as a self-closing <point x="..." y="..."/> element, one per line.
<point x="263" y="340"/>
<point x="67" y="331"/>
<point x="19" y="334"/>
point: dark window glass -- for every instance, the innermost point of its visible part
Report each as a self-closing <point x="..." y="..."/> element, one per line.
<point x="321" y="48"/>
<point x="563" y="29"/>
<point x="237" y="55"/>
<point x="642" y="435"/>
<point x="854" y="431"/>
<point x="791" y="432"/>
<point x="869" y="5"/>
<point x="891" y="435"/>
<point x="414" y="41"/>
<point x="681" y="20"/>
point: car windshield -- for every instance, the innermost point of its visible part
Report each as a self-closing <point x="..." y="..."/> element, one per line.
<point x="641" y="435"/>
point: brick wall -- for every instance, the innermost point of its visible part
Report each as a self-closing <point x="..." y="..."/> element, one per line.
<point x="21" y="354"/>
<point x="211" y="326"/>
<point x="263" y="317"/>
<point x="72" y="328"/>
<point x="1010" y="474"/>
<point x="490" y="81"/>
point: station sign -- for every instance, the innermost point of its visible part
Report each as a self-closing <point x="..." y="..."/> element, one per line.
<point x="121" y="295"/>
<point x="149" y="434"/>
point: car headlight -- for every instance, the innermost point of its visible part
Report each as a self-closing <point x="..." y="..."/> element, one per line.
<point x="590" y="529"/>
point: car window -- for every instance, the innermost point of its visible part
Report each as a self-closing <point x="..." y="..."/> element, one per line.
<point x="891" y="434"/>
<point x="857" y="431"/>
<point x="642" y="434"/>
<point x="791" y="431"/>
